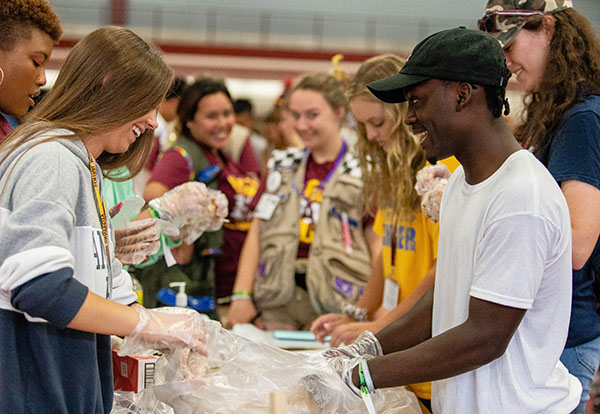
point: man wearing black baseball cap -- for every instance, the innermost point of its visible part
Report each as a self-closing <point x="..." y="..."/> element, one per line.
<point x="491" y="331"/>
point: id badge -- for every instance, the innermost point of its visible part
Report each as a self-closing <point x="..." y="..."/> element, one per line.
<point x="391" y="291"/>
<point x="266" y="206"/>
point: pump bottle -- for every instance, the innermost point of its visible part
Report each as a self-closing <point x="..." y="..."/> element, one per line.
<point x="181" y="299"/>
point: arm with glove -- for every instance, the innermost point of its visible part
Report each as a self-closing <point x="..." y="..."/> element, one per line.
<point x="159" y="329"/>
<point x="187" y="210"/>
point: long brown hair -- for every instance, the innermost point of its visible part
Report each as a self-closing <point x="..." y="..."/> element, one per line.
<point x="388" y="177"/>
<point x="572" y="73"/>
<point x="110" y="77"/>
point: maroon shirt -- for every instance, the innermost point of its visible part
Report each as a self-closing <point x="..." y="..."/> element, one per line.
<point x="5" y="128"/>
<point x="239" y="182"/>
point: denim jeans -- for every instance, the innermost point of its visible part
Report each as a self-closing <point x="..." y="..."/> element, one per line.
<point x="582" y="361"/>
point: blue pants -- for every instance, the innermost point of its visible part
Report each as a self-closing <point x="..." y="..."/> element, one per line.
<point x="582" y="361"/>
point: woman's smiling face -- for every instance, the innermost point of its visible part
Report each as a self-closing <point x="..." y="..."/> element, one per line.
<point x="526" y="57"/>
<point x="315" y="121"/>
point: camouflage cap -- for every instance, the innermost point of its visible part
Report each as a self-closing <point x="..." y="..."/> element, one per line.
<point x="504" y="26"/>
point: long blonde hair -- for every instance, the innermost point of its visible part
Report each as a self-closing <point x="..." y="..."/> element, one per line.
<point x="110" y="77"/>
<point x="388" y="177"/>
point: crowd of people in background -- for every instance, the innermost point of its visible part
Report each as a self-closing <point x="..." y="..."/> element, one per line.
<point x="432" y="242"/>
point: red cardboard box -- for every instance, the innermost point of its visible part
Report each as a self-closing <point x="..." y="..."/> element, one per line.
<point x="133" y="373"/>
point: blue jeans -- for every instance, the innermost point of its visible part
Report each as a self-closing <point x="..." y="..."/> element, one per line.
<point x="582" y="361"/>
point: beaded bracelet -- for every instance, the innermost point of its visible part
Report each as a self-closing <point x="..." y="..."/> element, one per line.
<point x="359" y="314"/>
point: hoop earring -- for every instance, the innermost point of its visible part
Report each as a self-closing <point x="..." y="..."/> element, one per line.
<point x="1" y="79"/>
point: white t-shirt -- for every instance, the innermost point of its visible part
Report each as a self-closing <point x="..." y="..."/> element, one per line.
<point x="507" y="240"/>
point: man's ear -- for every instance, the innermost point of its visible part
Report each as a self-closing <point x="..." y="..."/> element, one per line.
<point x="463" y="95"/>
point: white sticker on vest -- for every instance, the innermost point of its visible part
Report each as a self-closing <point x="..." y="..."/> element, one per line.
<point x="390" y="294"/>
<point x="273" y="181"/>
<point x="266" y="206"/>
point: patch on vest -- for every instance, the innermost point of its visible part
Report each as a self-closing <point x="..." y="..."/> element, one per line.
<point x="285" y="159"/>
<point x="351" y="166"/>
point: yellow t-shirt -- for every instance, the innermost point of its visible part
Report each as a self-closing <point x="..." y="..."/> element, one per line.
<point x="415" y="246"/>
<point x="451" y="162"/>
<point x="410" y="249"/>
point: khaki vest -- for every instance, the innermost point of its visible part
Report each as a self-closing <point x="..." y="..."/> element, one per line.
<point x="332" y="275"/>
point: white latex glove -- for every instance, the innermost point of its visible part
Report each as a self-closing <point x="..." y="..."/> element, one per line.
<point x="345" y="373"/>
<point x="166" y="328"/>
<point x="211" y="217"/>
<point x="186" y="200"/>
<point x="430" y="185"/>
<point x="342" y="358"/>
<point x="140" y="239"/>
<point x="431" y="201"/>
<point x="428" y="177"/>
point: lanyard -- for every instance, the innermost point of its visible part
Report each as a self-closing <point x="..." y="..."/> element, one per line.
<point x="101" y="205"/>
<point x="324" y="182"/>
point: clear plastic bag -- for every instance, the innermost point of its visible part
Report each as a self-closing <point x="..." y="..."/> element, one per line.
<point x="239" y="375"/>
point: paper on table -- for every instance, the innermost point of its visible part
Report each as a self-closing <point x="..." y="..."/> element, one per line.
<point x="250" y="331"/>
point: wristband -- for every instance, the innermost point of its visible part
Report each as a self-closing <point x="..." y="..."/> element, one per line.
<point x="153" y="212"/>
<point x="156" y="211"/>
<point x="364" y="390"/>
<point x="241" y="295"/>
<point x="367" y="375"/>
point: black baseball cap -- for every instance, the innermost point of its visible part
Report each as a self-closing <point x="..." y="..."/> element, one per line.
<point x="461" y="55"/>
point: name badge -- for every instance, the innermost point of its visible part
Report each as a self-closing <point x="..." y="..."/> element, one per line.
<point x="266" y="206"/>
<point x="391" y="292"/>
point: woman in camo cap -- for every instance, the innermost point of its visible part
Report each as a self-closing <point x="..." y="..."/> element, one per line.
<point x="555" y="55"/>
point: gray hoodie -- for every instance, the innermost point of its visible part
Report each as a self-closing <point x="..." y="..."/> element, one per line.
<point x="51" y="254"/>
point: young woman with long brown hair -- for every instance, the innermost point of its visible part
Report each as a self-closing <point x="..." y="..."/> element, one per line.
<point x="62" y="292"/>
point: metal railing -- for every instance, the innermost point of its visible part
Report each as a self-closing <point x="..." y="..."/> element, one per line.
<point x="173" y="22"/>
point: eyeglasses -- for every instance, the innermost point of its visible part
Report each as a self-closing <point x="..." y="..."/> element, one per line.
<point x="499" y="20"/>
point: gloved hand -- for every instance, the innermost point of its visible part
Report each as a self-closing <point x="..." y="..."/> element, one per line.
<point x="428" y="177"/>
<point x="431" y="182"/>
<point x="344" y="358"/>
<point x="186" y="200"/>
<point x="431" y="201"/>
<point x="346" y="371"/>
<point x="211" y="218"/>
<point x="366" y="345"/>
<point x="140" y="239"/>
<point x="165" y="328"/>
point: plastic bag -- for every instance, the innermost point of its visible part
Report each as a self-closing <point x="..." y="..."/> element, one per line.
<point x="238" y="376"/>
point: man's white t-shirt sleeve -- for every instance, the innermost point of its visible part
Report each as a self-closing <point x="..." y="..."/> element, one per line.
<point x="511" y="260"/>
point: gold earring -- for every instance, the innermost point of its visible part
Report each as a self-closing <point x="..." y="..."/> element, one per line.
<point x="1" y="79"/>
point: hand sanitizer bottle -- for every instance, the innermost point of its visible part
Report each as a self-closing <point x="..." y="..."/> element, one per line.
<point x="181" y="299"/>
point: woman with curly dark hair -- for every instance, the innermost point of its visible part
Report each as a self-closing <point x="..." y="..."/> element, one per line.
<point x="29" y="29"/>
<point x="555" y="55"/>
